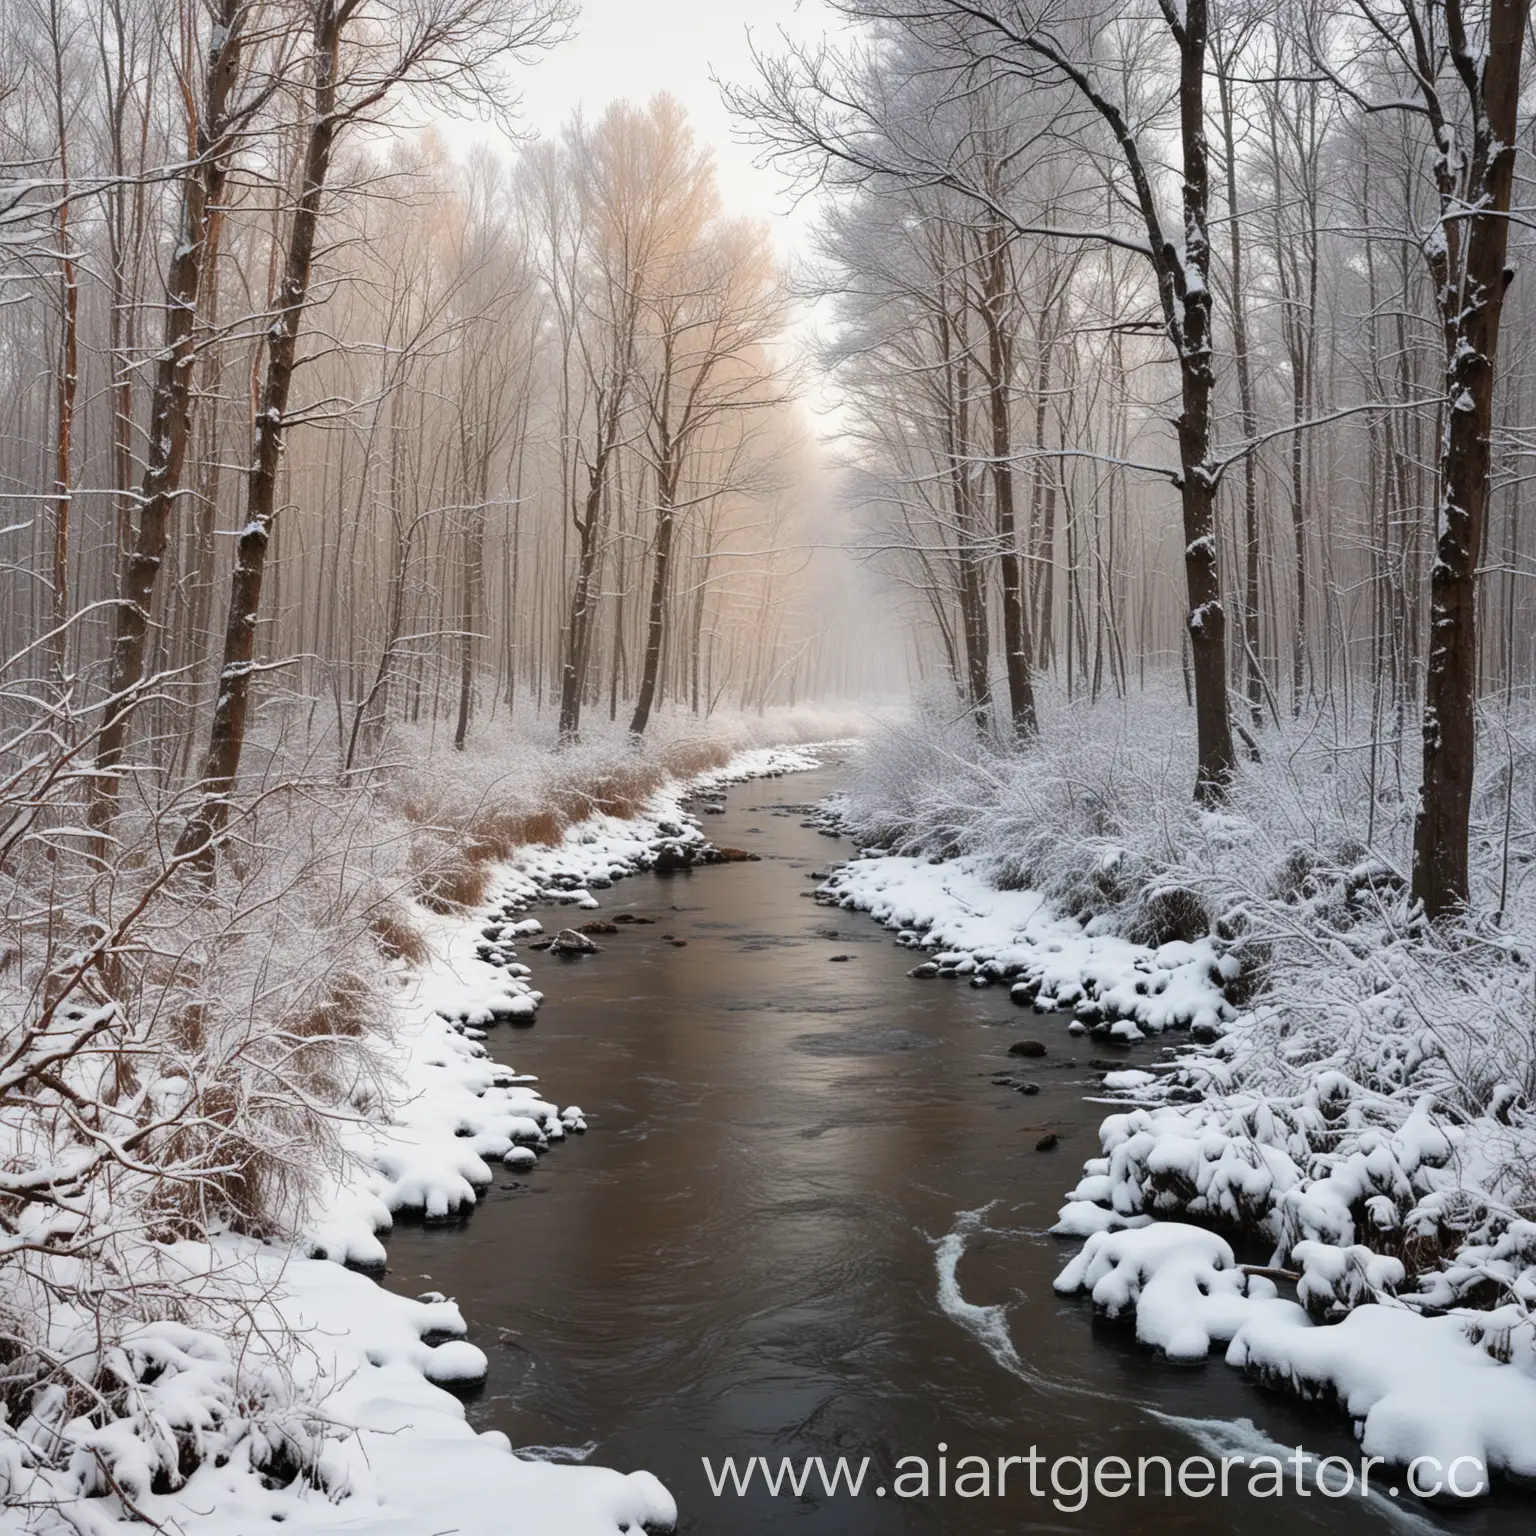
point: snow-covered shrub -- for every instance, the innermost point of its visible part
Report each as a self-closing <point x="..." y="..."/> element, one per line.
<point x="178" y="1061"/>
<point x="1096" y="813"/>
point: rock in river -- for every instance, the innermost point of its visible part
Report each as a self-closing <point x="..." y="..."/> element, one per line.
<point x="569" y="942"/>
<point x="672" y="857"/>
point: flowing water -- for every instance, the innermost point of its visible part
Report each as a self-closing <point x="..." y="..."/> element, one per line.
<point x="806" y="1221"/>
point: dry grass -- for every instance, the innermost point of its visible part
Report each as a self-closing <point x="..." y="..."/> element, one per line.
<point x="452" y="859"/>
<point x="448" y="881"/>
<point x="396" y="936"/>
<point x="344" y="1011"/>
<point x="516" y="787"/>
<point x="265" y="1109"/>
<point x="687" y="758"/>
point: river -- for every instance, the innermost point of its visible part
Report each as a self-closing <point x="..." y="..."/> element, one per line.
<point x="761" y="1247"/>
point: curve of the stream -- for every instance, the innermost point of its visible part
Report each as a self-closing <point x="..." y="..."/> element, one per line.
<point x="807" y="1222"/>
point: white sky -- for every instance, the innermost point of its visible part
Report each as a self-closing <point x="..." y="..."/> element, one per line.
<point x="635" y="48"/>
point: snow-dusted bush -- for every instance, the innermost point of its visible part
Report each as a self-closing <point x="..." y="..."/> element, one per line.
<point x="178" y="1061"/>
<point x="1096" y="813"/>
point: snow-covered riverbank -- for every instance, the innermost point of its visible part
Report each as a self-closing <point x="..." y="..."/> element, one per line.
<point x="1419" y="1383"/>
<point x="1354" y="1112"/>
<point x="310" y="1394"/>
<point x="972" y="929"/>
<point x="458" y="1110"/>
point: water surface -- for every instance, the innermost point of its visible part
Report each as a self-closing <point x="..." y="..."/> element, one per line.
<point x="762" y="1246"/>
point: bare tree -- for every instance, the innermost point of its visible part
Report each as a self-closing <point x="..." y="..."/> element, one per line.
<point x="710" y="315"/>
<point x="807" y="105"/>
<point x="436" y="46"/>
<point x="212" y="130"/>
<point x="1473" y="167"/>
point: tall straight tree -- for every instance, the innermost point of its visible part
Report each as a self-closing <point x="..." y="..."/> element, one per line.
<point x="226" y="742"/>
<point x="610" y="249"/>
<point x="1226" y="49"/>
<point x="67" y="365"/>
<point x="997" y="301"/>
<point x="431" y="45"/>
<point x="1025" y="35"/>
<point x="811" y="104"/>
<point x="706" y="328"/>
<point x="212" y="129"/>
<point x="642" y="185"/>
<point x="1466" y="251"/>
<point x="1297" y="123"/>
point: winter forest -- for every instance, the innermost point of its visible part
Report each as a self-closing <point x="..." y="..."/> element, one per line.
<point x="500" y="499"/>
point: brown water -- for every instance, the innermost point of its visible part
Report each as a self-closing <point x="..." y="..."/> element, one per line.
<point x="741" y="1257"/>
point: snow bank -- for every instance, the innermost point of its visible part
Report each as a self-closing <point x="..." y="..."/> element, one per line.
<point x="1366" y="1113"/>
<point x="953" y="909"/>
<point x="456" y="1111"/>
<point x="342" y="1376"/>
<point x="1417" y="1386"/>
<point x="411" y="1462"/>
<point x="1364" y="1331"/>
<point x="1181" y="1284"/>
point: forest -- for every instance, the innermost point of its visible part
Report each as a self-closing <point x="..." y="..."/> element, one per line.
<point x="416" y="516"/>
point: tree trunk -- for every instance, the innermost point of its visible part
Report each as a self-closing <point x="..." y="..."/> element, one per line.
<point x="656" y="613"/>
<point x="226" y="741"/>
<point x="1018" y="652"/>
<point x="1197" y="491"/>
<point x="67" y="368"/>
<point x="1252" y="678"/>
<point x="972" y="590"/>
<point x="1298" y="533"/>
<point x="169" y="410"/>
<point x="1042" y="518"/>
<point x="573" y="664"/>
<point x="474" y="566"/>
<point x="1440" y="852"/>
<point x="66" y="385"/>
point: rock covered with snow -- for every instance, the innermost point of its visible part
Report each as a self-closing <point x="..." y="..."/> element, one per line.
<point x="569" y="941"/>
<point x="1180" y="1283"/>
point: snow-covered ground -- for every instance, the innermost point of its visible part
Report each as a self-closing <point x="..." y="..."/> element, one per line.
<point x="317" y="1367"/>
<point x="347" y="1379"/>
<point x="1416" y="1385"/>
